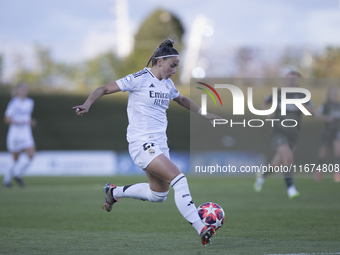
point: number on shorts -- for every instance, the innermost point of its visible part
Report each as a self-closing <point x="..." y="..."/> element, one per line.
<point x="147" y="146"/>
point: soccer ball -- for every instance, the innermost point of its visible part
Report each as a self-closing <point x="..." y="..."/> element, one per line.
<point x="211" y="214"/>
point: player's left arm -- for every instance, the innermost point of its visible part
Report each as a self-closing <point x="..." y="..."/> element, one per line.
<point x="9" y="120"/>
<point x="95" y="95"/>
<point x="192" y="106"/>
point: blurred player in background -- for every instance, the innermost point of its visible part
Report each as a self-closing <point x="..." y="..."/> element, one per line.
<point x="284" y="139"/>
<point x="329" y="112"/>
<point x="19" y="137"/>
<point x="150" y="92"/>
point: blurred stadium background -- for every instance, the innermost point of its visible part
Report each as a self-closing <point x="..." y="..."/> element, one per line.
<point x="62" y="70"/>
<point x="65" y="49"/>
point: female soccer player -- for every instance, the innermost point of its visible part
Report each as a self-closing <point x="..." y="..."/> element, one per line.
<point x="19" y="137"/>
<point x="284" y="139"/>
<point x="150" y="92"/>
<point x="329" y="112"/>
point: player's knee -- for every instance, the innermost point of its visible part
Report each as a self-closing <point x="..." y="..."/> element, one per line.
<point x="157" y="196"/>
<point x="179" y="182"/>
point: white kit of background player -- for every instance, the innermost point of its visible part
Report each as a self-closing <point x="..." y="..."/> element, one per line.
<point x="19" y="137"/>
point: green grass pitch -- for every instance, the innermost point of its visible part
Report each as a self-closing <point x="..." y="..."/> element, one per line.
<point x="63" y="215"/>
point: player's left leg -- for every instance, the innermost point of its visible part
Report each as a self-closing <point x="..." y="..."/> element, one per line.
<point x="287" y="156"/>
<point x="336" y="146"/>
<point x="19" y="171"/>
<point x="30" y="153"/>
<point x="162" y="171"/>
<point x="162" y="168"/>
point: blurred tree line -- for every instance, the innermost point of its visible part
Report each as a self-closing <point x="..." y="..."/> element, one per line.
<point x="324" y="63"/>
<point x="105" y="67"/>
<point x="327" y="64"/>
<point x="248" y="61"/>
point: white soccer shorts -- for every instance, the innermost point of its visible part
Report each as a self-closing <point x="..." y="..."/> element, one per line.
<point x="142" y="153"/>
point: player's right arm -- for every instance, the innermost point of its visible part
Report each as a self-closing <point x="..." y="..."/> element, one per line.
<point x="10" y="112"/>
<point x="95" y="95"/>
<point x="8" y="120"/>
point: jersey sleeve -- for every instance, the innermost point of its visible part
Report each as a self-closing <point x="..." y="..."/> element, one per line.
<point x="10" y="109"/>
<point x="173" y="91"/>
<point x="128" y="83"/>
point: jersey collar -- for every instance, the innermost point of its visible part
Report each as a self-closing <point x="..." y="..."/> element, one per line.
<point x="148" y="69"/>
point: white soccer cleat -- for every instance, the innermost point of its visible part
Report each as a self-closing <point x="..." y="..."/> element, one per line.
<point x="292" y="192"/>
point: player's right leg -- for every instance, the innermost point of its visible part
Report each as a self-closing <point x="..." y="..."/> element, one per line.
<point x="9" y="171"/>
<point x="287" y="157"/>
<point x="7" y="181"/>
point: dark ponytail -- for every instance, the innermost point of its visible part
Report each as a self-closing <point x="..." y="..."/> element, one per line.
<point x="166" y="48"/>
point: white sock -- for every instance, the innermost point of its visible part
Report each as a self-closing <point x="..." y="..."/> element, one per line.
<point x="139" y="191"/>
<point x="8" y="172"/>
<point x="184" y="202"/>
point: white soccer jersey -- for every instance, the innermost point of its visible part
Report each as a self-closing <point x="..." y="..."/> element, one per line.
<point x="148" y="100"/>
<point x="20" y="137"/>
<point x="20" y="110"/>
